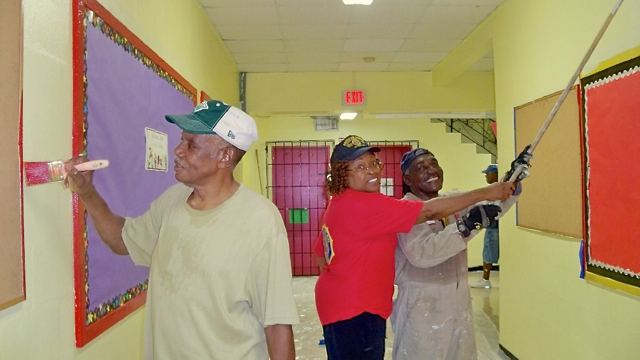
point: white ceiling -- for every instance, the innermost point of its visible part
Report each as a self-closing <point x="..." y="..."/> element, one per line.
<point x="325" y="35"/>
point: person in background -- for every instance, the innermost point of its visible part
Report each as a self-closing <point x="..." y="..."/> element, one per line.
<point x="491" y="248"/>
<point x="432" y="316"/>
<point x="220" y="284"/>
<point x="356" y="247"/>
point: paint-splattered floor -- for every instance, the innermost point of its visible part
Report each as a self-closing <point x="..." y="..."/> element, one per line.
<point x="485" y="314"/>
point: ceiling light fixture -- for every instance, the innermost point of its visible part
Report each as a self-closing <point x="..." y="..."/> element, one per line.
<point x="357" y="2"/>
<point x="348" y="115"/>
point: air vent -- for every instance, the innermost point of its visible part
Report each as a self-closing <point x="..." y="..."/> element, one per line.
<point x="325" y="123"/>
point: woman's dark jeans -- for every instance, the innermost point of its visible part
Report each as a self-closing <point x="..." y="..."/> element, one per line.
<point x="359" y="338"/>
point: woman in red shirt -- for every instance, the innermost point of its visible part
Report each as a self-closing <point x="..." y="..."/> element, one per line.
<point x="357" y="245"/>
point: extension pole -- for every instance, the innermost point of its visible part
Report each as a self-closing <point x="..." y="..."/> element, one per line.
<point x="553" y="112"/>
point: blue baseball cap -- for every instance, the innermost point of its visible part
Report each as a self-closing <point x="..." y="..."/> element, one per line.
<point x="409" y="156"/>
<point x="490" y="169"/>
<point x="351" y="148"/>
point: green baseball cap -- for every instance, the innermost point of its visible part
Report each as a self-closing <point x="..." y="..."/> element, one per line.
<point x="215" y="117"/>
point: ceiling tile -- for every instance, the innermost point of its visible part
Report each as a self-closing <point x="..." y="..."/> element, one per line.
<point x="376" y="31"/>
<point x="465" y="14"/>
<point x="312" y="67"/>
<point x="256" y="58"/>
<point x="254" y="46"/>
<point x="313" y="46"/>
<point x="307" y="3"/>
<point x="249" y="32"/>
<point x="441" y="31"/>
<point x="409" y="57"/>
<point x="262" y="68"/>
<point x="372" y="44"/>
<point x="437" y="44"/>
<point x="401" y="2"/>
<point x="314" y="15"/>
<point x="467" y="2"/>
<point x="243" y="15"/>
<point x="354" y="57"/>
<point x="386" y="14"/>
<point x="325" y="35"/>
<point x="314" y="31"/>
<point x="317" y="57"/>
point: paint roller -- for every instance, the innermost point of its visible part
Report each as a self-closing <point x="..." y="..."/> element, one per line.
<point x="528" y="151"/>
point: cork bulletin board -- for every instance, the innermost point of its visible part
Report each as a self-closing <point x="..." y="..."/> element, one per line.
<point x="551" y="199"/>
<point x="12" y="277"/>
<point x="122" y="90"/>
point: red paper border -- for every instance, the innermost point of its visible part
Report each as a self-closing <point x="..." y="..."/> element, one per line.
<point x="204" y="96"/>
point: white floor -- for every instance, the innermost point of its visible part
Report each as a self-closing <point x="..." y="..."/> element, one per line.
<point x="485" y="313"/>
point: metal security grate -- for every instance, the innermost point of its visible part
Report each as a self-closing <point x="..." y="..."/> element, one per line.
<point x="390" y="154"/>
<point x="296" y="174"/>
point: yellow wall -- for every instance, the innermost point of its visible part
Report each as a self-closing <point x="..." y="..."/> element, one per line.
<point x="181" y="33"/>
<point x="461" y="163"/>
<point x="385" y="92"/>
<point x="42" y="327"/>
<point x="546" y="311"/>
<point x="272" y="96"/>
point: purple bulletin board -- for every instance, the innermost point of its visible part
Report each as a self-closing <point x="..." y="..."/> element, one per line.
<point x="121" y="88"/>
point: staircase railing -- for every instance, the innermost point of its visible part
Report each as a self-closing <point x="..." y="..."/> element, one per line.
<point x="478" y="131"/>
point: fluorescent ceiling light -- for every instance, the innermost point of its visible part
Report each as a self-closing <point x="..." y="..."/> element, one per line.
<point x="348" y="116"/>
<point x="357" y="2"/>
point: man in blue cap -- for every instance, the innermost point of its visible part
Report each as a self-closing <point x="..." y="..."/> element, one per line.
<point x="432" y="317"/>
<point x="491" y="248"/>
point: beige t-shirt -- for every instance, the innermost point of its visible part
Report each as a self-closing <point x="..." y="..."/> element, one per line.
<point x="217" y="277"/>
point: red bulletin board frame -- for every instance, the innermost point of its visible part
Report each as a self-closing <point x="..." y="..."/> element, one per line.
<point x="611" y="122"/>
<point x="204" y="97"/>
<point x="85" y="333"/>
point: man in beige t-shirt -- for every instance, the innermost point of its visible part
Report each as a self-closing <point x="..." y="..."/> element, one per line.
<point x="220" y="273"/>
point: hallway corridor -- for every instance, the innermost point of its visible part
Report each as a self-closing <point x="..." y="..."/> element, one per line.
<point x="485" y="313"/>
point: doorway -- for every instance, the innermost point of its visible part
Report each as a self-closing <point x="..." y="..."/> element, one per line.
<point x="391" y="154"/>
<point x="296" y="175"/>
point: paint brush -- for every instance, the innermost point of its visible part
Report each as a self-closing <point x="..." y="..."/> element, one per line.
<point x="47" y="172"/>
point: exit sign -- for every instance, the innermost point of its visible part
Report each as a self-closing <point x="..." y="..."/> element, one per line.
<point x="353" y="97"/>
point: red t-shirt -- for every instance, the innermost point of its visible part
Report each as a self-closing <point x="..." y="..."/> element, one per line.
<point x="358" y="241"/>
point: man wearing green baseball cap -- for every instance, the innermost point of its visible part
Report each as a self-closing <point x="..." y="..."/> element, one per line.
<point x="220" y="273"/>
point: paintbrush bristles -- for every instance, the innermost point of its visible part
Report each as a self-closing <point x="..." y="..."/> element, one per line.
<point x="44" y="172"/>
<point x="37" y="173"/>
